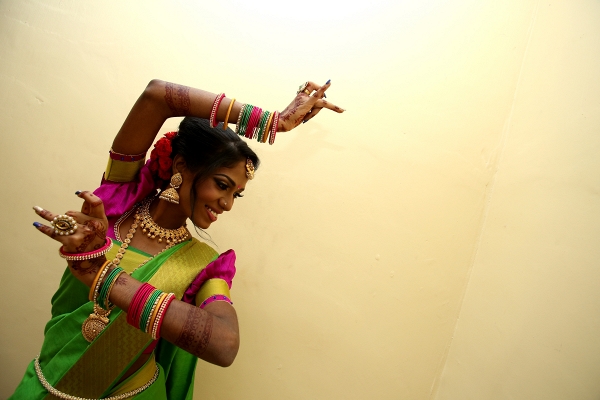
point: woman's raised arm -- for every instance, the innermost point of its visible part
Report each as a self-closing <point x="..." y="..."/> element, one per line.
<point x="161" y="100"/>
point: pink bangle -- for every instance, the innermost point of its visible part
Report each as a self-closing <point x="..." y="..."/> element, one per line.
<point x="216" y="297"/>
<point x="213" y="114"/>
<point x="86" y="256"/>
<point x="274" y="127"/>
<point x="254" y="118"/>
<point x="137" y="303"/>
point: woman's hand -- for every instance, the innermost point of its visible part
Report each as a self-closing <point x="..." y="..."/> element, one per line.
<point x="90" y="235"/>
<point x="305" y="106"/>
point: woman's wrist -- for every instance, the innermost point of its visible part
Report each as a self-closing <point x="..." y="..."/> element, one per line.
<point x="86" y="271"/>
<point x="78" y="255"/>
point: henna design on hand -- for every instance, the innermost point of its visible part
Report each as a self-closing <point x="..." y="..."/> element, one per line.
<point x="291" y="110"/>
<point x="87" y="239"/>
<point x="177" y="98"/>
<point x="92" y="268"/>
<point x="195" y="334"/>
<point x="98" y="228"/>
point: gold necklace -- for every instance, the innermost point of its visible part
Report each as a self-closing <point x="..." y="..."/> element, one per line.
<point x="98" y="320"/>
<point x="150" y="228"/>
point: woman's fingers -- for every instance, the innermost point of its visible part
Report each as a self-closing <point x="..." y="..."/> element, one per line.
<point x="93" y="205"/>
<point x="320" y="91"/>
<point x="325" y="104"/>
<point x="312" y="114"/>
<point x="75" y="230"/>
<point x="63" y="229"/>
<point x="47" y="215"/>
<point x="47" y="230"/>
<point x="309" y="88"/>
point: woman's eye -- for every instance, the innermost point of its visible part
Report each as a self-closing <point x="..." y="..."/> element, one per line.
<point x="222" y="185"/>
<point x="238" y="195"/>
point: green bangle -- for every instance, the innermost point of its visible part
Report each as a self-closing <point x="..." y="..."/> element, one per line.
<point x="102" y="298"/>
<point x="148" y="309"/>
<point x="245" y="118"/>
<point x="262" y="125"/>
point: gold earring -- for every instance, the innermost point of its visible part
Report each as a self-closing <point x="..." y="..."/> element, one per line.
<point x="171" y="194"/>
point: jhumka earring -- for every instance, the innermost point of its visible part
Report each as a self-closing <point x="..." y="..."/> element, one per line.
<point x="171" y="194"/>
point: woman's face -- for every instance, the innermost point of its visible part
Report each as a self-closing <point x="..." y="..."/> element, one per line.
<point x="214" y="195"/>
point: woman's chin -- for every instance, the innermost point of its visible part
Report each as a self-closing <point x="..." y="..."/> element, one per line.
<point x="202" y="224"/>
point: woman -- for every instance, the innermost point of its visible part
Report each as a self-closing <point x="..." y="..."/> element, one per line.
<point x="130" y="320"/>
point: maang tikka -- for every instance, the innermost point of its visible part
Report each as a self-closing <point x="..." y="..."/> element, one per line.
<point x="171" y="194"/>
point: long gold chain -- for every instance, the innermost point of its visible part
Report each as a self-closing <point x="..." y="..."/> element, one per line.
<point x="52" y="390"/>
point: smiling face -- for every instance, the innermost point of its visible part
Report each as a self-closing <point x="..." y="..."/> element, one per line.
<point x="214" y="195"/>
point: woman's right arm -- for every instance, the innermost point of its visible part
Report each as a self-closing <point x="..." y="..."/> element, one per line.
<point x="162" y="100"/>
<point x="159" y="101"/>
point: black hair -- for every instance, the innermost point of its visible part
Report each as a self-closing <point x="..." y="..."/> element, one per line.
<point x="205" y="149"/>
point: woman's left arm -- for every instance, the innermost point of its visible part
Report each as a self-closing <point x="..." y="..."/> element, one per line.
<point x="211" y="334"/>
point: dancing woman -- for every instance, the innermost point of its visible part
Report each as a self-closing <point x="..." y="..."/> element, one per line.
<point x="141" y="299"/>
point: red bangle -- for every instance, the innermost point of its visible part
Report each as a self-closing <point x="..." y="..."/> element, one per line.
<point x="215" y="107"/>
<point x="136" y="306"/>
<point x="254" y="118"/>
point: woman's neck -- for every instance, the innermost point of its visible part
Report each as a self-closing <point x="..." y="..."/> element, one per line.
<point x="167" y="215"/>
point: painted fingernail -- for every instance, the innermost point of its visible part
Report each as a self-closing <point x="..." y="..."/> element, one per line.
<point x="327" y="83"/>
<point x="304" y="121"/>
<point x="38" y="209"/>
<point x="324" y="96"/>
<point x="78" y="192"/>
<point x="37" y="224"/>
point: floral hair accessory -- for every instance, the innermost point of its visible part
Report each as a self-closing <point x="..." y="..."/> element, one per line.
<point x="160" y="157"/>
<point x="249" y="169"/>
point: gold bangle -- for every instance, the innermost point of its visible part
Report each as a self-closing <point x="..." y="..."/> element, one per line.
<point x="152" y="318"/>
<point x="92" y="288"/>
<point x="226" y="122"/>
<point x="267" y="129"/>
<point x="106" y="301"/>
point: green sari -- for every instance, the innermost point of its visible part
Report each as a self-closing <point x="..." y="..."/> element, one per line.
<point x="92" y="370"/>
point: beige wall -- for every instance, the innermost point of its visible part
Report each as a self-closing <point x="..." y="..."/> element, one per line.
<point x="461" y="182"/>
<point x="530" y="322"/>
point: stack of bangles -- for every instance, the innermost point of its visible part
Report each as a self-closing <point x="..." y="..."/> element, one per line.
<point x="253" y="122"/>
<point x="148" y="308"/>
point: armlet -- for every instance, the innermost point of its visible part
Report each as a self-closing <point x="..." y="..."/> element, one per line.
<point x="122" y="171"/>
<point x="210" y="288"/>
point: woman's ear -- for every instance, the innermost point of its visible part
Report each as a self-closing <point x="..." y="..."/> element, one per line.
<point x="179" y="164"/>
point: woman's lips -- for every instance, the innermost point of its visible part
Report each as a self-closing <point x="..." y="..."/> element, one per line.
<point x="211" y="214"/>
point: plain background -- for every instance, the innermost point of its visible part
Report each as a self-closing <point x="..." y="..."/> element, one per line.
<point x="439" y="240"/>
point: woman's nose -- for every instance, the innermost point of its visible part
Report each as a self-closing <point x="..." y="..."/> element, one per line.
<point x="226" y="204"/>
